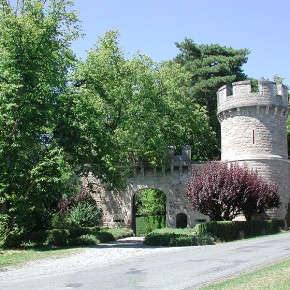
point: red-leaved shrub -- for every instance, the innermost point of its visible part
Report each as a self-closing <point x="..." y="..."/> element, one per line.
<point x="224" y="190"/>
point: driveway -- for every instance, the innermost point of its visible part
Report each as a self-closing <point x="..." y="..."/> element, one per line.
<point x="128" y="264"/>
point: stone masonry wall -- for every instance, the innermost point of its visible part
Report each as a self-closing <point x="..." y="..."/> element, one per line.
<point x="171" y="180"/>
<point x="246" y="134"/>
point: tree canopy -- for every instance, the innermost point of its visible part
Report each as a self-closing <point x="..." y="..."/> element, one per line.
<point x="35" y="60"/>
<point x="141" y="105"/>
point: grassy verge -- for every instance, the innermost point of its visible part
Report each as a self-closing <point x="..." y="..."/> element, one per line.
<point x="275" y="276"/>
<point x="19" y="257"/>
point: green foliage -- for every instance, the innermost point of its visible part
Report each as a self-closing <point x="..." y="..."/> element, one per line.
<point x="60" y="221"/>
<point x="229" y="230"/>
<point x="4" y="225"/>
<point x="77" y="232"/>
<point x="84" y="240"/>
<point x="147" y="224"/>
<point x="132" y="109"/>
<point x="53" y="124"/>
<point x="12" y="238"/>
<point x="57" y="237"/>
<point x="38" y="238"/>
<point x="84" y="215"/>
<point x="177" y="238"/>
<point x="79" y="210"/>
<point x="120" y="233"/>
<point x="150" y="202"/>
<point x="210" y="67"/>
<point x="35" y="61"/>
<point x="72" y="237"/>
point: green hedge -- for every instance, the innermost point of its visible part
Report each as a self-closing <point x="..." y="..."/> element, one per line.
<point x="75" y="236"/>
<point x="77" y="232"/>
<point x="120" y="233"/>
<point x="176" y="238"/>
<point x="231" y="230"/>
<point x="147" y="224"/>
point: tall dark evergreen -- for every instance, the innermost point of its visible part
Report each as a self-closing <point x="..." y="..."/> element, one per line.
<point x="210" y="66"/>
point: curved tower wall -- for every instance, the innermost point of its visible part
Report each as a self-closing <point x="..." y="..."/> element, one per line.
<point x="253" y="130"/>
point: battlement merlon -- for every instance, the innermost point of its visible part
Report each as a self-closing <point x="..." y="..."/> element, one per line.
<point x="183" y="159"/>
<point x="270" y="94"/>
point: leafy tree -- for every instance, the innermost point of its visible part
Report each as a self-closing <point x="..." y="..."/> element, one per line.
<point x="136" y="108"/>
<point x="35" y="61"/>
<point x="150" y="202"/>
<point x="210" y="67"/>
<point x="223" y="191"/>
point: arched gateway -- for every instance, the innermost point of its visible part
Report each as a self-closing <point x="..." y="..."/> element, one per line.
<point x="171" y="180"/>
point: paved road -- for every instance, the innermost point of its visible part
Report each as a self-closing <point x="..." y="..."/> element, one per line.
<point x="183" y="268"/>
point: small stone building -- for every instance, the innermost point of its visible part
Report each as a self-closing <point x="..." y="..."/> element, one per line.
<point x="253" y="131"/>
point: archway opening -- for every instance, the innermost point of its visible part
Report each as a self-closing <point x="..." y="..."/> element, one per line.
<point x="181" y="220"/>
<point x="148" y="211"/>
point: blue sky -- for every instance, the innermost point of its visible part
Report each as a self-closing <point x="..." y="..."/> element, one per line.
<point x="152" y="27"/>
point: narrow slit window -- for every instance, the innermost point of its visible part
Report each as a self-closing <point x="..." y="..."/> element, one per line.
<point x="253" y="136"/>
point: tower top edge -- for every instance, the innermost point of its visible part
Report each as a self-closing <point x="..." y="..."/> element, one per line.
<point x="245" y="87"/>
<point x="242" y="92"/>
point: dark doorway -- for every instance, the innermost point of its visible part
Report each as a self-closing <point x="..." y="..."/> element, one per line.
<point x="181" y="221"/>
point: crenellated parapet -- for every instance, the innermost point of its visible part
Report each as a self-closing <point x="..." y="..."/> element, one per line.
<point x="271" y="96"/>
<point x="177" y="165"/>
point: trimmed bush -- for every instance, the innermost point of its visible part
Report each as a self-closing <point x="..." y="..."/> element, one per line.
<point x="84" y="240"/>
<point x="177" y="238"/>
<point x="147" y="224"/>
<point x="77" y="232"/>
<point x="57" y="237"/>
<point x="38" y="238"/>
<point x="229" y="230"/>
<point x="120" y="233"/>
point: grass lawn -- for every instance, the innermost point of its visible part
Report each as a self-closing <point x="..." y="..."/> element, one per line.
<point x="16" y="257"/>
<point x="276" y="276"/>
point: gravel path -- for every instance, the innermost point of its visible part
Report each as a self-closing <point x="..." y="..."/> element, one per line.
<point x="103" y="254"/>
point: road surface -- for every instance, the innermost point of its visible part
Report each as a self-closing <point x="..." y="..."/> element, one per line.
<point x="127" y="264"/>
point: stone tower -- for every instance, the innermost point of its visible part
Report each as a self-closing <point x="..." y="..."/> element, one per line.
<point x="253" y="130"/>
